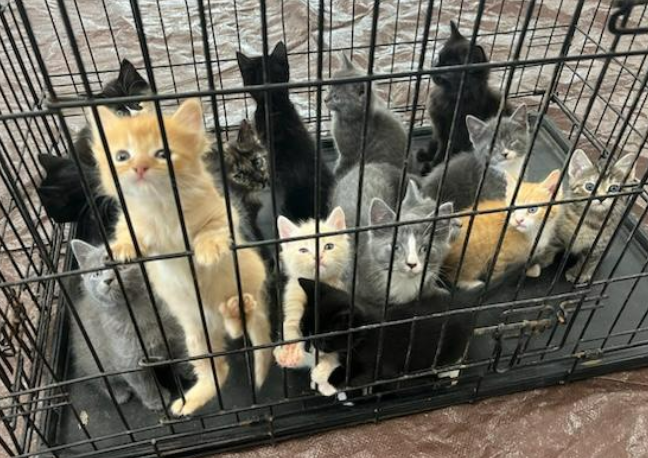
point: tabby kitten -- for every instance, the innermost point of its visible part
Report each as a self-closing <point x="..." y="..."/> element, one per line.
<point x="583" y="175"/>
<point x="140" y="160"/>
<point x="103" y="312"/>
<point x="299" y="260"/>
<point x="386" y="138"/>
<point x="521" y="232"/>
<point x="478" y="99"/>
<point x="292" y="145"/>
<point x="465" y="170"/>
<point x="411" y="249"/>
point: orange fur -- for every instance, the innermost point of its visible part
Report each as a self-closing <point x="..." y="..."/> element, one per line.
<point x="487" y="229"/>
<point x="151" y="205"/>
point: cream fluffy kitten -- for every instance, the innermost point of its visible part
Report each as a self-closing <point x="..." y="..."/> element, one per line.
<point x="140" y="160"/>
<point x="299" y="261"/>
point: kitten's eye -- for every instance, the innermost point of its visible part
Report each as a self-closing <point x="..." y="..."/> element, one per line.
<point x="614" y="188"/>
<point x="423" y="249"/>
<point x="589" y="187"/>
<point x="533" y="209"/>
<point x="257" y="162"/>
<point x="329" y="246"/>
<point x="516" y="144"/>
<point x="160" y="154"/>
<point x="397" y="248"/>
<point x="122" y="155"/>
<point x="303" y="250"/>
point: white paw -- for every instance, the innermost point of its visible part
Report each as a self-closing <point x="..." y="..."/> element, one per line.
<point x="534" y="271"/>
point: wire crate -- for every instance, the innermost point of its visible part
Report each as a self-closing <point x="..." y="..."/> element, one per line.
<point x="580" y="66"/>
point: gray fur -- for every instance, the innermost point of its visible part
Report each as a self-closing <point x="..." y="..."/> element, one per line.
<point x="466" y="169"/>
<point x="375" y="250"/>
<point x="104" y="315"/>
<point x="386" y="137"/>
<point x="583" y="175"/>
<point x="379" y="181"/>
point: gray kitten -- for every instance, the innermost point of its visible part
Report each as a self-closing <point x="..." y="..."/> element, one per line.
<point x="466" y="169"/>
<point x="411" y="249"/>
<point x="583" y="175"/>
<point x="104" y="315"/>
<point x="386" y="138"/>
<point x="379" y="181"/>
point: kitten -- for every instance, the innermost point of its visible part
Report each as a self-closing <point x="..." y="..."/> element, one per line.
<point x="292" y="146"/>
<point x="141" y="163"/>
<point x="478" y="99"/>
<point x="379" y="181"/>
<point x="386" y="138"/>
<point x="334" y="315"/>
<point x="104" y="314"/>
<point x="299" y="258"/>
<point x="583" y="175"/>
<point x="521" y="231"/>
<point x="411" y="249"/>
<point x="61" y="191"/>
<point x="465" y="170"/>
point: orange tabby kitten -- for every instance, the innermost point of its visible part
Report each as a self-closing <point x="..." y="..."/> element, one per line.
<point x="521" y="232"/>
<point x="140" y="161"/>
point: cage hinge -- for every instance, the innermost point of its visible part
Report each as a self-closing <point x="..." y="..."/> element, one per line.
<point x="619" y="19"/>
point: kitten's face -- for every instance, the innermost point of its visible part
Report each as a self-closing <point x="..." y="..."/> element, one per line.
<point x="300" y="257"/>
<point x="454" y="52"/>
<point x="277" y="67"/>
<point x="102" y="285"/>
<point x="346" y="98"/>
<point x="246" y="159"/>
<point x="529" y="220"/>
<point x="129" y="82"/>
<point x="138" y="154"/>
<point x="512" y="138"/>
<point x="412" y="240"/>
<point x="583" y="175"/>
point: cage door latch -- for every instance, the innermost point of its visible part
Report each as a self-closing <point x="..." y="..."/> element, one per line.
<point x="619" y="19"/>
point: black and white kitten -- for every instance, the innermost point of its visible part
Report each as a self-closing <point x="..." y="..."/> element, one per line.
<point x="478" y="99"/>
<point x="292" y="145"/>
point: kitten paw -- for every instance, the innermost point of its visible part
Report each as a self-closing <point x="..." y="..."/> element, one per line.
<point x="232" y="316"/>
<point x="320" y="375"/>
<point x="123" y="251"/>
<point x="470" y="284"/>
<point x="534" y="271"/>
<point x="183" y="409"/>
<point x="290" y="355"/>
<point x="155" y="403"/>
<point x="572" y="275"/>
<point x="208" y="250"/>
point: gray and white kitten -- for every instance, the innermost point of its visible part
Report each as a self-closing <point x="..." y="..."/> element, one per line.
<point x="583" y="175"/>
<point x="386" y="138"/>
<point x="380" y="181"/>
<point x="104" y="315"/>
<point x="466" y="169"/>
<point x="411" y="249"/>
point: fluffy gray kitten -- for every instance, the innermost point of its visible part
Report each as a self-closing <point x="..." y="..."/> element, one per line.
<point x="104" y="315"/>
<point x="411" y="249"/>
<point x="583" y="175"/>
<point x="379" y="181"/>
<point x="386" y="138"/>
<point x="466" y="169"/>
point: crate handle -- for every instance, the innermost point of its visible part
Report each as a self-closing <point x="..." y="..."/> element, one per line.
<point x="623" y="13"/>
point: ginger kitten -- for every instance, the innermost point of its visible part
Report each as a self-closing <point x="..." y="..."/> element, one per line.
<point x="140" y="160"/>
<point x="299" y="258"/>
<point x="521" y="232"/>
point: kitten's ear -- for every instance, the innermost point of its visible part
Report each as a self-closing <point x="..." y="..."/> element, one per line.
<point x="280" y="52"/>
<point x="520" y="115"/>
<point x="380" y="213"/>
<point x="623" y="166"/>
<point x="346" y="62"/>
<point x="412" y="196"/>
<point x="477" y="129"/>
<point x="551" y="182"/>
<point x="130" y="78"/>
<point x="52" y="163"/>
<point x="189" y="114"/>
<point x="479" y="54"/>
<point x="286" y="227"/>
<point x="244" y="62"/>
<point x="446" y="208"/>
<point x="579" y="163"/>
<point x="454" y="30"/>
<point x="106" y="117"/>
<point x="245" y="132"/>
<point x="337" y="219"/>
<point x="511" y="184"/>
<point x="82" y="251"/>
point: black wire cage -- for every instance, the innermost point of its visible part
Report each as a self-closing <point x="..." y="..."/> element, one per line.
<point x="579" y="66"/>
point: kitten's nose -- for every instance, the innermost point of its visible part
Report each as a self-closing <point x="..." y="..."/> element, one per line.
<point x="411" y="265"/>
<point x="141" y="170"/>
<point x="108" y="281"/>
<point x="519" y="221"/>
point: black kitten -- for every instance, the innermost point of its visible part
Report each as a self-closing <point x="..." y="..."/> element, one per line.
<point x="334" y="311"/>
<point x="478" y="99"/>
<point x="292" y="145"/>
<point x="61" y="191"/>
